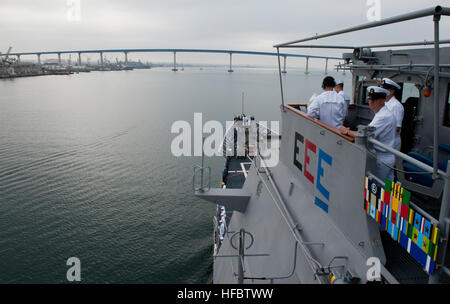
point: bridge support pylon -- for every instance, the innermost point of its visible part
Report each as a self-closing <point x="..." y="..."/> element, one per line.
<point x="230" y="70"/>
<point x="101" y="59"/>
<point x="326" y="66"/>
<point x="59" y="59"/>
<point x="307" y="66"/>
<point x="79" y="59"/>
<point x="39" y="58"/>
<point x="126" y="58"/>
<point x="284" y="65"/>
<point x="174" y="62"/>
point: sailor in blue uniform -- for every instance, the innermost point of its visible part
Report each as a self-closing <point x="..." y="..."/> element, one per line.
<point x="329" y="107"/>
<point x="395" y="107"/>
<point x="384" y="122"/>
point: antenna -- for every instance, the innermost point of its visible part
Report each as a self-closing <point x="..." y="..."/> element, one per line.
<point x="242" y="103"/>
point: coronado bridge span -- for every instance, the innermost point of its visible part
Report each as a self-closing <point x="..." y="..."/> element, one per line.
<point x="174" y="51"/>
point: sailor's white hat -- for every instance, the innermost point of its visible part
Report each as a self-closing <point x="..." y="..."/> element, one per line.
<point x="377" y="92"/>
<point x="387" y="81"/>
<point x="339" y="82"/>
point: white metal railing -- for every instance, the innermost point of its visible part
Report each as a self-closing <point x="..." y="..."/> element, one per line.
<point x="421" y="165"/>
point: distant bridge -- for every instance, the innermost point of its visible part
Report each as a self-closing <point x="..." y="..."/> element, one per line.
<point x="174" y="51"/>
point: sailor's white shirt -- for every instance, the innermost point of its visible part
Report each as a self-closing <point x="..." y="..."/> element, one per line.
<point x="346" y="97"/>
<point x="384" y="122"/>
<point x="329" y="107"/>
<point x="397" y="109"/>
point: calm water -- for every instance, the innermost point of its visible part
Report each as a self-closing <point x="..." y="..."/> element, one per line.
<point x="86" y="170"/>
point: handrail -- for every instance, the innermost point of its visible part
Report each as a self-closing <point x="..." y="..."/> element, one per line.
<point x="408" y="158"/>
<point x="320" y="123"/>
<point x="318" y="46"/>
<point x="298" y="105"/>
<point x="409" y="16"/>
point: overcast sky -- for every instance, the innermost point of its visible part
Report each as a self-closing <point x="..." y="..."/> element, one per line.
<point x="44" y="25"/>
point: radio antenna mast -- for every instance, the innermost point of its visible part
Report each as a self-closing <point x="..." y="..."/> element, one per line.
<point x="242" y="103"/>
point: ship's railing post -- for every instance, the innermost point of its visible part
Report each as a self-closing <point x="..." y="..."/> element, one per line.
<point x="174" y="62"/>
<point x="281" y="80"/>
<point x="203" y="161"/>
<point x="230" y="70"/>
<point x="215" y="235"/>
<point x="241" y="256"/>
<point x="202" y="170"/>
<point x="436" y="19"/>
<point x="361" y="136"/>
<point x="444" y="218"/>
<point x="203" y="187"/>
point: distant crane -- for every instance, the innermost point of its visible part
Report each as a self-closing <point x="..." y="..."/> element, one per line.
<point x="7" y="60"/>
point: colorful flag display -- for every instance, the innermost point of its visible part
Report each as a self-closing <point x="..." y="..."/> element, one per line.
<point x="390" y="207"/>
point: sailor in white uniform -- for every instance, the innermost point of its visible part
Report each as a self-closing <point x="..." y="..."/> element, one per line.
<point x="395" y="107"/>
<point x="384" y="122"/>
<point x="339" y="88"/>
<point x="223" y="214"/>
<point x="221" y="230"/>
<point x="329" y="107"/>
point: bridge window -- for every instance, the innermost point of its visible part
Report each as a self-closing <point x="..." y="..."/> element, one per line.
<point x="409" y="90"/>
<point x="447" y="109"/>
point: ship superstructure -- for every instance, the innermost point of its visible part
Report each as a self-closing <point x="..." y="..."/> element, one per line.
<point x="320" y="214"/>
